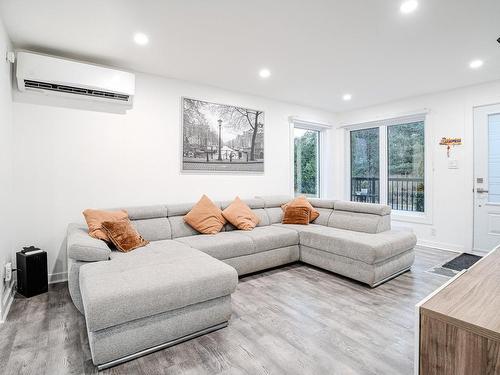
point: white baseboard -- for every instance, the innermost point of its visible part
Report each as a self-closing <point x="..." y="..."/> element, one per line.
<point x="7" y="300"/>
<point x="440" y="246"/>
<point x="58" y="277"/>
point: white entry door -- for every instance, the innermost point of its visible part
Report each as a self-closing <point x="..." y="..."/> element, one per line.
<point x="486" y="177"/>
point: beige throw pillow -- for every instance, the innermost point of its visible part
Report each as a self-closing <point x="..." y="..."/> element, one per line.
<point x="205" y="217"/>
<point x="240" y="215"/>
<point x="95" y="218"/>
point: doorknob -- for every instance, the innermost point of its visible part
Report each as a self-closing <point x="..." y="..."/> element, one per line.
<point x="481" y="190"/>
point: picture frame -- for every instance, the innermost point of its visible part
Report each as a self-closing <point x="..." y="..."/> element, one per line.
<point x="221" y="138"/>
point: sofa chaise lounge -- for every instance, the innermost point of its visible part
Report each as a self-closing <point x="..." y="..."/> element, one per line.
<point x="180" y="285"/>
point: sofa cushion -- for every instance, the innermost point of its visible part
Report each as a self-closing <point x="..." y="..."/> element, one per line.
<point x="271" y="237"/>
<point x="366" y="247"/>
<point x="297" y="227"/>
<point x="222" y="245"/>
<point x="205" y="217"/>
<point x="163" y="276"/>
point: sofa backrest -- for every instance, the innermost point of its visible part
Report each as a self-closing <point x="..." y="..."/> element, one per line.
<point x="325" y="209"/>
<point x="272" y="204"/>
<point x="176" y="213"/>
<point x="273" y="208"/>
<point x="164" y="222"/>
<point x="360" y="217"/>
<point x="355" y="216"/>
<point x="151" y="221"/>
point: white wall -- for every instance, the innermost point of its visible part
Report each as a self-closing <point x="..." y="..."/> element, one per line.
<point x="450" y="115"/>
<point x="6" y="137"/>
<point x="67" y="160"/>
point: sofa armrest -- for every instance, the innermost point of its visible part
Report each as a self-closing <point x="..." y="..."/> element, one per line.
<point x="83" y="247"/>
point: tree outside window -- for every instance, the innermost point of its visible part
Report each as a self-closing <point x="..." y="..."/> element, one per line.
<point x="306" y="162"/>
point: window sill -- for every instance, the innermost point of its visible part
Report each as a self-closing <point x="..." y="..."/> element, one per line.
<point x="411" y="217"/>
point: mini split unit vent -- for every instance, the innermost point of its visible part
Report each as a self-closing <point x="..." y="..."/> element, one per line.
<point x="74" y="90"/>
<point x="72" y="79"/>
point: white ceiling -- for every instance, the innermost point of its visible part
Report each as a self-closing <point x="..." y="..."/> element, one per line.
<point x="317" y="50"/>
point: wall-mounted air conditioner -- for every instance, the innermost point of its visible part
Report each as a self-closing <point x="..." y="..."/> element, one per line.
<point x="72" y="79"/>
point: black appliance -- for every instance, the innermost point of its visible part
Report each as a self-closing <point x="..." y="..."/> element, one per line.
<point x="32" y="278"/>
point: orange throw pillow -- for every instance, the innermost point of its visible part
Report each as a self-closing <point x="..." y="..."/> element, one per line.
<point x="205" y="217"/>
<point x="240" y="215"/>
<point x="296" y="215"/>
<point x="303" y="202"/>
<point x="123" y="235"/>
<point x="95" y="218"/>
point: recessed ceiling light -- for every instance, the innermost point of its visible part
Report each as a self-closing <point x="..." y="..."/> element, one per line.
<point x="141" y="39"/>
<point x="474" y="64"/>
<point x="346" y="97"/>
<point x="264" y="73"/>
<point x="408" y="6"/>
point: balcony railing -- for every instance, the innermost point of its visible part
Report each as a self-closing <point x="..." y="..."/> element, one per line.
<point x="365" y="189"/>
<point x="406" y="194"/>
<point x="403" y="193"/>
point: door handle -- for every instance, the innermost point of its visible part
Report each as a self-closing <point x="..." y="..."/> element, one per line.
<point x="481" y="190"/>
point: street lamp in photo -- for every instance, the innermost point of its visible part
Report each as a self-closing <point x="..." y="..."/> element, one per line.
<point x="220" y="139"/>
<point x="206" y="142"/>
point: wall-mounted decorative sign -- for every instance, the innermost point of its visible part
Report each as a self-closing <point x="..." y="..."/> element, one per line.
<point x="221" y="138"/>
<point x="448" y="142"/>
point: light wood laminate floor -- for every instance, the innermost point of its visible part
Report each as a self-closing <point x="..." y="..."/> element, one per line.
<point x="292" y="320"/>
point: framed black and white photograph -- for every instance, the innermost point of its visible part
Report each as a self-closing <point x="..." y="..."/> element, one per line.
<point x="221" y="138"/>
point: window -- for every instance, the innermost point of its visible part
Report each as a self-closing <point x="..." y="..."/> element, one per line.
<point x="405" y="150"/>
<point x="365" y="166"/>
<point x="494" y="158"/>
<point x="306" y="162"/>
<point x="387" y="163"/>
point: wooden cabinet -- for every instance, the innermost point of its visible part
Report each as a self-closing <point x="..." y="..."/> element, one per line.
<point x="459" y="325"/>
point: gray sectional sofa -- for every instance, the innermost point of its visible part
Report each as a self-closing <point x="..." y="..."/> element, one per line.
<point x="180" y="285"/>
